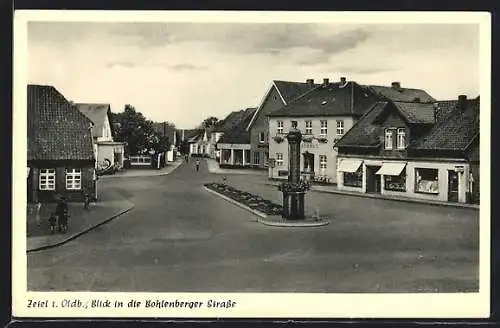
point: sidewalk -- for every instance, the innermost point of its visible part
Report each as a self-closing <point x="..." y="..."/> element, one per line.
<point x="334" y="190"/>
<point x="130" y="173"/>
<point x="213" y="167"/>
<point x="80" y="222"/>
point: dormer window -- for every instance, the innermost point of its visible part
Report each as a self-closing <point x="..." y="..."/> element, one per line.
<point x="388" y="139"/>
<point x="401" y="144"/>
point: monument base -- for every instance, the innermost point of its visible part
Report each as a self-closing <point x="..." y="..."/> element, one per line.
<point x="293" y="205"/>
<point x="278" y="221"/>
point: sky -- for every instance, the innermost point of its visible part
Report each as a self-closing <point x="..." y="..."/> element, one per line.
<point x="185" y="72"/>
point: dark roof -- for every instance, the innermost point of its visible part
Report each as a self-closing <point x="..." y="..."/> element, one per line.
<point x="232" y="120"/>
<point x="291" y="90"/>
<point x="416" y="113"/>
<point x="333" y="99"/>
<point x="97" y="113"/>
<point x="189" y="133"/>
<point x="365" y="133"/>
<point x="239" y="134"/>
<point x="445" y="108"/>
<point x="56" y="129"/>
<point x="194" y="135"/>
<point x="401" y="94"/>
<point x="456" y="131"/>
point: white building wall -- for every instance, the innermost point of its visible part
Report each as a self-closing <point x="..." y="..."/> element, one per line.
<point x="106" y="132"/>
<point x="442" y="166"/>
<point x="313" y="147"/>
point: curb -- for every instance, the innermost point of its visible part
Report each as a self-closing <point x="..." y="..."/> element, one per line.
<point x="260" y="214"/>
<point x="294" y="224"/>
<point x="78" y="234"/>
<point x="139" y="176"/>
<point x="409" y="200"/>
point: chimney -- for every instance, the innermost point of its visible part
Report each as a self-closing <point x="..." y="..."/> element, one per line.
<point x="326" y="81"/>
<point x="462" y="101"/>
<point x="396" y="85"/>
<point x="343" y="80"/>
<point x="310" y="82"/>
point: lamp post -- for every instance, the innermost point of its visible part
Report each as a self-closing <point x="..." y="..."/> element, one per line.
<point x="294" y="189"/>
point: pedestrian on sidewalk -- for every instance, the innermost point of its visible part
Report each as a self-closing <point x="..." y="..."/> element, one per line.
<point x="197" y="165"/>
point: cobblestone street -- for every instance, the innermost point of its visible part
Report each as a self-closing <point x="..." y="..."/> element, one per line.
<point x="180" y="238"/>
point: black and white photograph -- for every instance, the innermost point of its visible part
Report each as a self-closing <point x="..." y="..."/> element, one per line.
<point x="251" y="164"/>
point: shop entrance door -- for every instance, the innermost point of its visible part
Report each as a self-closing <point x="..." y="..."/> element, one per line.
<point x="373" y="181"/>
<point x="452" y="186"/>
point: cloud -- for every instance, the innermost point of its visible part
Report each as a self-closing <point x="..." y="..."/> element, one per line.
<point x="185" y="67"/>
<point x="174" y="67"/>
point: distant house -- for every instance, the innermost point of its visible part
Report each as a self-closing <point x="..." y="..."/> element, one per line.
<point x="225" y="126"/>
<point x="280" y="93"/>
<point x="198" y="141"/>
<point x="234" y="144"/>
<point x="324" y="115"/>
<point x="425" y="151"/>
<point x="60" y="149"/>
<point x="107" y="151"/>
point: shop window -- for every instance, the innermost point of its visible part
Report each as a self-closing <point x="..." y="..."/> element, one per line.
<point x="47" y="179"/>
<point x="309" y="127"/>
<point x="324" y="128"/>
<point x="279" y="159"/>
<point x="427" y="181"/>
<point x="388" y="139"/>
<point x="395" y="183"/>
<point x="279" y="129"/>
<point x="354" y="179"/>
<point x="340" y="128"/>
<point x="73" y="179"/>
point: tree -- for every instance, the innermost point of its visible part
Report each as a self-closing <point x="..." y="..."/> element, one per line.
<point x="209" y="122"/>
<point x="132" y="127"/>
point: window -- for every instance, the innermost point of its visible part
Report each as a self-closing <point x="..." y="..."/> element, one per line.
<point x="322" y="161"/>
<point x="73" y="179"/>
<point x="279" y="159"/>
<point x="388" y="139"/>
<point x="262" y="136"/>
<point x="47" y="179"/>
<point x="324" y="128"/>
<point x="395" y="183"/>
<point x="340" y="128"/>
<point x="401" y="138"/>
<point x="309" y="127"/>
<point x="256" y="158"/>
<point x="354" y="179"/>
<point x="280" y="126"/>
<point x="427" y="181"/>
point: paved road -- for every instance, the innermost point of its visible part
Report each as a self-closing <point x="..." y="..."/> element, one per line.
<point x="180" y="238"/>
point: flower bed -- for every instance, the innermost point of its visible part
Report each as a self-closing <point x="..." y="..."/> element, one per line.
<point x="253" y="201"/>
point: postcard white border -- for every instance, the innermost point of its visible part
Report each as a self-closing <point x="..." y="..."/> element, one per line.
<point x="265" y="305"/>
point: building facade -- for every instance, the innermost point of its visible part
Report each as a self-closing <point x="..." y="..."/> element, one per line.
<point x="60" y="157"/>
<point x="425" y="152"/>
<point x="108" y="153"/>
<point x="278" y="95"/>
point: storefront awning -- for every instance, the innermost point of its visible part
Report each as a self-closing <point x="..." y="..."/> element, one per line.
<point x="350" y="165"/>
<point x="392" y="168"/>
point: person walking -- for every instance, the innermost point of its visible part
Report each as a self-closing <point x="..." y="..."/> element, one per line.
<point x="197" y="165"/>
<point x="38" y="208"/>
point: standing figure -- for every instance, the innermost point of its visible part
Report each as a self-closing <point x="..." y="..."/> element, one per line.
<point x="197" y="165"/>
<point x="38" y="208"/>
<point x="62" y="214"/>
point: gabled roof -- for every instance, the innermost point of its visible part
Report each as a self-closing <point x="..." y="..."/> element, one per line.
<point x="194" y="135"/>
<point x="56" y="129"/>
<point x="97" y="113"/>
<point x="233" y="119"/>
<point x="401" y="94"/>
<point x="287" y="91"/>
<point x="239" y="134"/>
<point x="330" y="100"/>
<point x="456" y="131"/>
<point x="415" y="113"/>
